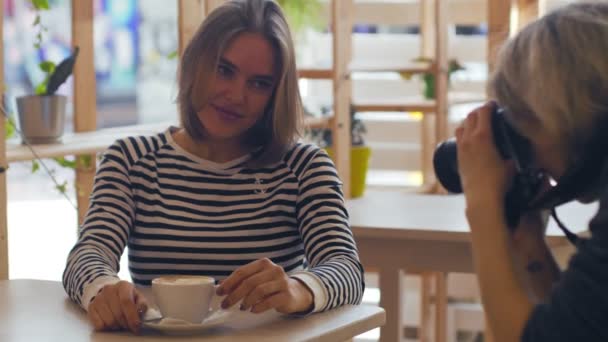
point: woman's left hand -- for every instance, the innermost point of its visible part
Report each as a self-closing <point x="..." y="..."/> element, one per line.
<point x="484" y="175"/>
<point x="263" y="285"/>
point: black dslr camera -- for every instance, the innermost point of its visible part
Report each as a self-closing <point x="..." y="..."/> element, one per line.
<point x="510" y="145"/>
<point x="581" y="178"/>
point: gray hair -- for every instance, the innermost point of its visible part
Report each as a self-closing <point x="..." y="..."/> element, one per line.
<point x="279" y="127"/>
<point x="554" y="75"/>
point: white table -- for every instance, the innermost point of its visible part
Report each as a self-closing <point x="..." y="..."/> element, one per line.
<point x="398" y="232"/>
<point x="35" y="310"/>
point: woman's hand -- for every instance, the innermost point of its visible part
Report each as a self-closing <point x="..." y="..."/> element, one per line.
<point x="484" y="175"/>
<point x="263" y="285"/>
<point x="117" y="307"/>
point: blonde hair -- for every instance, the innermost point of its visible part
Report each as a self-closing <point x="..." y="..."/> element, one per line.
<point x="278" y="129"/>
<point x="554" y="75"/>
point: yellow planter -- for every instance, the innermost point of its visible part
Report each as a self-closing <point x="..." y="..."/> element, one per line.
<point x="359" y="162"/>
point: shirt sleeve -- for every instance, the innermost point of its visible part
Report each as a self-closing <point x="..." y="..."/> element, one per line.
<point x="577" y="309"/>
<point x="334" y="274"/>
<point x="94" y="261"/>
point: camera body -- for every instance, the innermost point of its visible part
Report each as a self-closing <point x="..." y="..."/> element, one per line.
<point x="511" y="146"/>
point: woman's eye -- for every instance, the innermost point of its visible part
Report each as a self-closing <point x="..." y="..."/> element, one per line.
<point x="224" y="71"/>
<point x="261" y="85"/>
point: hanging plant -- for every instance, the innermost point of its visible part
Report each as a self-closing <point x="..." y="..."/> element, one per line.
<point x="39" y="5"/>
<point x="55" y="76"/>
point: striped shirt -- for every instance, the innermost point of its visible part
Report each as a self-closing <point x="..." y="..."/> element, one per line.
<point x="180" y="214"/>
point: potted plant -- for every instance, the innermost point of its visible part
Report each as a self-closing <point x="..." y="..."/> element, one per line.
<point x="359" y="152"/>
<point x="429" y="78"/>
<point x="42" y="115"/>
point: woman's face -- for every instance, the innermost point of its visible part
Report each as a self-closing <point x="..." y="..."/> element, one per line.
<point x="549" y="154"/>
<point x="244" y="83"/>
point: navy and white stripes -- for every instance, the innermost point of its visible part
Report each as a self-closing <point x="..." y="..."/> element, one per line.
<point x="179" y="214"/>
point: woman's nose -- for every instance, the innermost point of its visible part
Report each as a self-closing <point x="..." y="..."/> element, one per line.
<point x="237" y="91"/>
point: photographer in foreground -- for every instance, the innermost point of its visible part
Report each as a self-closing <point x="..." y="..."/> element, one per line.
<point x="552" y="81"/>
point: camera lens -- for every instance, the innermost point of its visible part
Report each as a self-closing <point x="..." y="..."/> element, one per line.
<point x="445" y="163"/>
<point x="506" y="140"/>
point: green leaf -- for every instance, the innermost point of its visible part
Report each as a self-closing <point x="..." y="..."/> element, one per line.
<point x="41" y="4"/>
<point x="35" y="166"/>
<point x="9" y="128"/>
<point x="172" y="55"/>
<point x="62" y="188"/>
<point x="71" y="164"/>
<point x="41" y="88"/>
<point x="84" y="161"/>
<point x="429" y="86"/>
<point x="302" y="13"/>
<point x="47" y="66"/>
<point x="37" y="20"/>
<point x="454" y="66"/>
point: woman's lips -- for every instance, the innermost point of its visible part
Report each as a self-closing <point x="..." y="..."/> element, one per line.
<point x="226" y="114"/>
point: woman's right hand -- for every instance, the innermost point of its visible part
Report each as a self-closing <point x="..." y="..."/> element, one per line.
<point x="116" y="307"/>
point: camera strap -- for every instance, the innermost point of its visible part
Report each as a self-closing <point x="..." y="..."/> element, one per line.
<point x="573" y="238"/>
<point x="579" y="179"/>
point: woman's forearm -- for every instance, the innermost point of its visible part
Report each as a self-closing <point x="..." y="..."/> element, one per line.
<point x="537" y="267"/>
<point x="504" y="296"/>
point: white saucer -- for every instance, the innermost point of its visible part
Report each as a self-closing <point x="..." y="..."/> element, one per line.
<point x="178" y="327"/>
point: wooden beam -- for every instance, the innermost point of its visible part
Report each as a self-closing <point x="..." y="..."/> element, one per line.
<point x="441" y="304"/>
<point x="210" y="5"/>
<point x="441" y="72"/>
<point x="406" y="12"/>
<point x="85" y="97"/>
<point x="190" y="14"/>
<point x="427" y="28"/>
<point x="427" y="126"/>
<point x="316" y="74"/>
<point x="3" y="164"/>
<point x="499" y="16"/>
<point x="342" y="24"/>
<point x="426" y="286"/>
<point x="527" y="11"/>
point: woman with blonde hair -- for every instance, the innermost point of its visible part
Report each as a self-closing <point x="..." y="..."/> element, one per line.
<point x="231" y="194"/>
<point x="552" y="81"/>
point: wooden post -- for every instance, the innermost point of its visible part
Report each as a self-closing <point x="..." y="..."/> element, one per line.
<point x="425" y="306"/>
<point x="498" y="28"/>
<point x="441" y="305"/>
<point x="190" y="14"/>
<point x="391" y="281"/>
<point x="441" y="133"/>
<point x="85" y="100"/>
<point x="441" y="72"/>
<point x="342" y="24"/>
<point x="427" y="133"/>
<point x="210" y="5"/>
<point x="3" y="164"/>
<point x="527" y="11"/>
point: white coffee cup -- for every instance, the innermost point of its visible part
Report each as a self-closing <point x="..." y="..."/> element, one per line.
<point x="184" y="297"/>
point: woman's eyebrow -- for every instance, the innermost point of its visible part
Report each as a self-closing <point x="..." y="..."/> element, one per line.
<point x="264" y="77"/>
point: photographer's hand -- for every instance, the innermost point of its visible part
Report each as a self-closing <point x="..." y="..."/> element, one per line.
<point x="484" y="175"/>
<point x="485" y="178"/>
